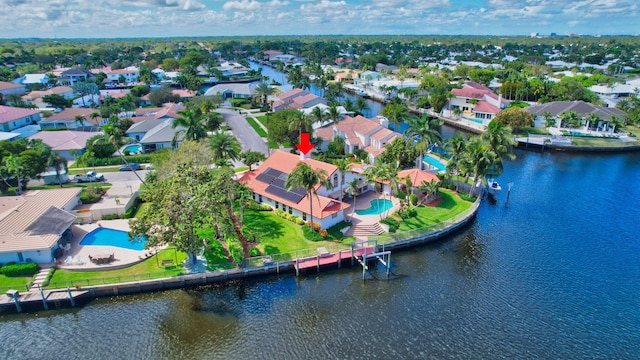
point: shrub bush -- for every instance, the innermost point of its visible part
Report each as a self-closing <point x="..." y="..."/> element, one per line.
<point x="414" y="199"/>
<point x="408" y="213"/>
<point x="323" y="233"/>
<point x="299" y="221"/>
<point x="466" y="197"/>
<point x="28" y="269"/>
<point x="91" y="194"/>
<point x="254" y="252"/>
<point x="393" y="224"/>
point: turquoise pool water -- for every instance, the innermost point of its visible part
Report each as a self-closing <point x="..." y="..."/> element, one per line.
<point x="132" y="148"/>
<point x="377" y="206"/>
<point x="435" y="163"/>
<point x="112" y="237"/>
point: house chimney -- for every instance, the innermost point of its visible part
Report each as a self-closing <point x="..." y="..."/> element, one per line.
<point x="304" y="156"/>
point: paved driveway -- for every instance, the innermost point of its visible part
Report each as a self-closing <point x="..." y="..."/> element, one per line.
<point x="248" y="138"/>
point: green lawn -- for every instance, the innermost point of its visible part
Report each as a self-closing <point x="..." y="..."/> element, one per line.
<point x="257" y="127"/>
<point x="14" y="282"/>
<point x="450" y="206"/>
<point x="533" y="131"/>
<point x="12" y="190"/>
<point x="101" y="169"/>
<point x="276" y="235"/>
<point x="262" y="119"/>
<point x="149" y="269"/>
<point x="602" y="142"/>
<point x="141" y="209"/>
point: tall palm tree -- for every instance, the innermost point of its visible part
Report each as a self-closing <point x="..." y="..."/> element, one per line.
<point x="334" y="113"/>
<point x="79" y="120"/>
<point x="343" y="166"/>
<point x="395" y="112"/>
<point x="477" y="160"/>
<point x="58" y="163"/>
<point x="113" y="136"/>
<point x="388" y="173"/>
<point x="224" y="146"/>
<point x="570" y="119"/>
<point x="422" y="131"/>
<point x="319" y="115"/>
<point x="263" y="90"/>
<point x="13" y="166"/>
<point x="361" y="105"/>
<point x="353" y="188"/>
<point x="455" y="147"/>
<point x="192" y="126"/>
<point x="593" y="119"/>
<point x="303" y="176"/>
<point x="301" y="122"/>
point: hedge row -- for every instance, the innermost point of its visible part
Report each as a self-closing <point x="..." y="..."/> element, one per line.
<point x="117" y="160"/>
<point x="28" y="269"/>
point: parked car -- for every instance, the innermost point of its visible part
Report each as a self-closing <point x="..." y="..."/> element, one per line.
<point x="90" y="176"/>
<point x="148" y="167"/>
<point x="130" y="167"/>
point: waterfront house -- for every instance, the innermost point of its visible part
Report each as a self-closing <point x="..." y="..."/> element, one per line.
<point x="583" y="109"/>
<point x="12" y="118"/>
<point x="297" y="99"/>
<point x="68" y="143"/>
<point x="371" y="135"/>
<point x="267" y="184"/>
<point x="34" y="225"/>
<point x="168" y="111"/>
<point x="477" y="102"/>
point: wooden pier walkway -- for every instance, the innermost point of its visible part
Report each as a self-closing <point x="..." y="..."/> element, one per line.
<point x="325" y="258"/>
<point x="33" y="299"/>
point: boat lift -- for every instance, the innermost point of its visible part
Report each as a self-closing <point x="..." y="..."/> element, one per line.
<point x="384" y="257"/>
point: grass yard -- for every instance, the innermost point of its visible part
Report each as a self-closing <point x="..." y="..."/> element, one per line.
<point x="14" y="282"/>
<point x="151" y="268"/>
<point x="101" y="169"/>
<point x="257" y="127"/>
<point x="450" y="206"/>
<point x="602" y="143"/>
<point x="262" y="119"/>
<point x="277" y="235"/>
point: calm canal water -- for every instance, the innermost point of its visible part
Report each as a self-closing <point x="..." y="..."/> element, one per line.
<point x="552" y="273"/>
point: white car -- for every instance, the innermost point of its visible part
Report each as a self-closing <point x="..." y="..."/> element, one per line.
<point x="90" y="176"/>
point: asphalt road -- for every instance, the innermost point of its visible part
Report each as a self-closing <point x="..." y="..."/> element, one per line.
<point x="248" y="138"/>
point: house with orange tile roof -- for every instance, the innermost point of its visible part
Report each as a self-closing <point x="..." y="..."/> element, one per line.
<point x="297" y="99"/>
<point x="267" y="184"/>
<point x="371" y="135"/>
<point x="12" y="118"/>
<point x="477" y="102"/>
<point x="34" y="225"/>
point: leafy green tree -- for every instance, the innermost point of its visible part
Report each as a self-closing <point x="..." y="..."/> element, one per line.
<point x="170" y="64"/>
<point x="482" y="76"/>
<point x="514" y="117"/>
<point x="279" y="130"/>
<point x="305" y="177"/>
<point x="251" y="157"/>
<point x="56" y="101"/>
<point x="163" y="95"/>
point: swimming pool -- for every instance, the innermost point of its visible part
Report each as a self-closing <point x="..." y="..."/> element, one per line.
<point x="377" y="206"/>
<point x="112" y="237"/>
<point x="435" y="163"/>
<point x="132" y="148"/>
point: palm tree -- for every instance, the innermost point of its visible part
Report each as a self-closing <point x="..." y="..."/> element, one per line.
<point x="421" y="131"/>
<point x="457" y="112"/>
<point x="303" y="176"/>
<point x="94" y="116"/>
<point x="263" y="90"/>
<point x="334" y="113"/>
<point x="549" y="119"/>
<point x="388" y="173"/>
<point x="455" y="147"/>
<point x="361" y="105"/>
<point x="570" y="119"/>
<point x="353" y="188"/>
<point x="395" y="112"/>
<point x="225" y="146"/>
<point x="301" y="122"/>
<point x="58" y="163"/>
<point x="319" y="116"/>
<point x="79" y="120"/>
<point x="192" y="126"/>
<point x="593" y="119"/>
<point x="112" y="136"/>
<point x="477" y="160"/>
<point x="343" y="166"/>
<point x="14" y="166"/>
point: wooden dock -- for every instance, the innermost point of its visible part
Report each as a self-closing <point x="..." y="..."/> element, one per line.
<point x="326" y="259"/>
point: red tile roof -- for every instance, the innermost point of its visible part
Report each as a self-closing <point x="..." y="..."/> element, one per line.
<point x="10" y="113"/>
<point x="417" y="176"/>
<point x="7" y="85"/>
<point x="485" y="107"/>
<point x="286" y="162"/>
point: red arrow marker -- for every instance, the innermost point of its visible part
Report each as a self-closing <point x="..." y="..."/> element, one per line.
<point x="305" y="146"/>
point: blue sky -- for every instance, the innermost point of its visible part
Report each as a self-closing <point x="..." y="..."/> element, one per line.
<point x="165" y="18"/>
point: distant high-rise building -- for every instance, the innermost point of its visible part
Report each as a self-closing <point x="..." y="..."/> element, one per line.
<point x="552" y="34"/>
<point x="534" y="34"/>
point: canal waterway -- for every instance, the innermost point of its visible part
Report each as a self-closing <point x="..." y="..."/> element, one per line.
<point x="552" y="273"/>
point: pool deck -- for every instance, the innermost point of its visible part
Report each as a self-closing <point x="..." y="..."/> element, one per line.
<point x="123" y="257"/>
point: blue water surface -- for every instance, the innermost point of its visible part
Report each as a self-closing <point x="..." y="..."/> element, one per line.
<point x="112" y="237"/>
<point x="377" y="206"/>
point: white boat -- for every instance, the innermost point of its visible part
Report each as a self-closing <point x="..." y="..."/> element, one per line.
<point x="361" y="93"/>
<point x="493" y="185"/>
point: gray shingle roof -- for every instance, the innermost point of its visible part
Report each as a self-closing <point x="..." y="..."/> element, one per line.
<point x="581" y="107"/>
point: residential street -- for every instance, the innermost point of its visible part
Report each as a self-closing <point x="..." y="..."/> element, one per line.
<point x="248" y="138"/>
